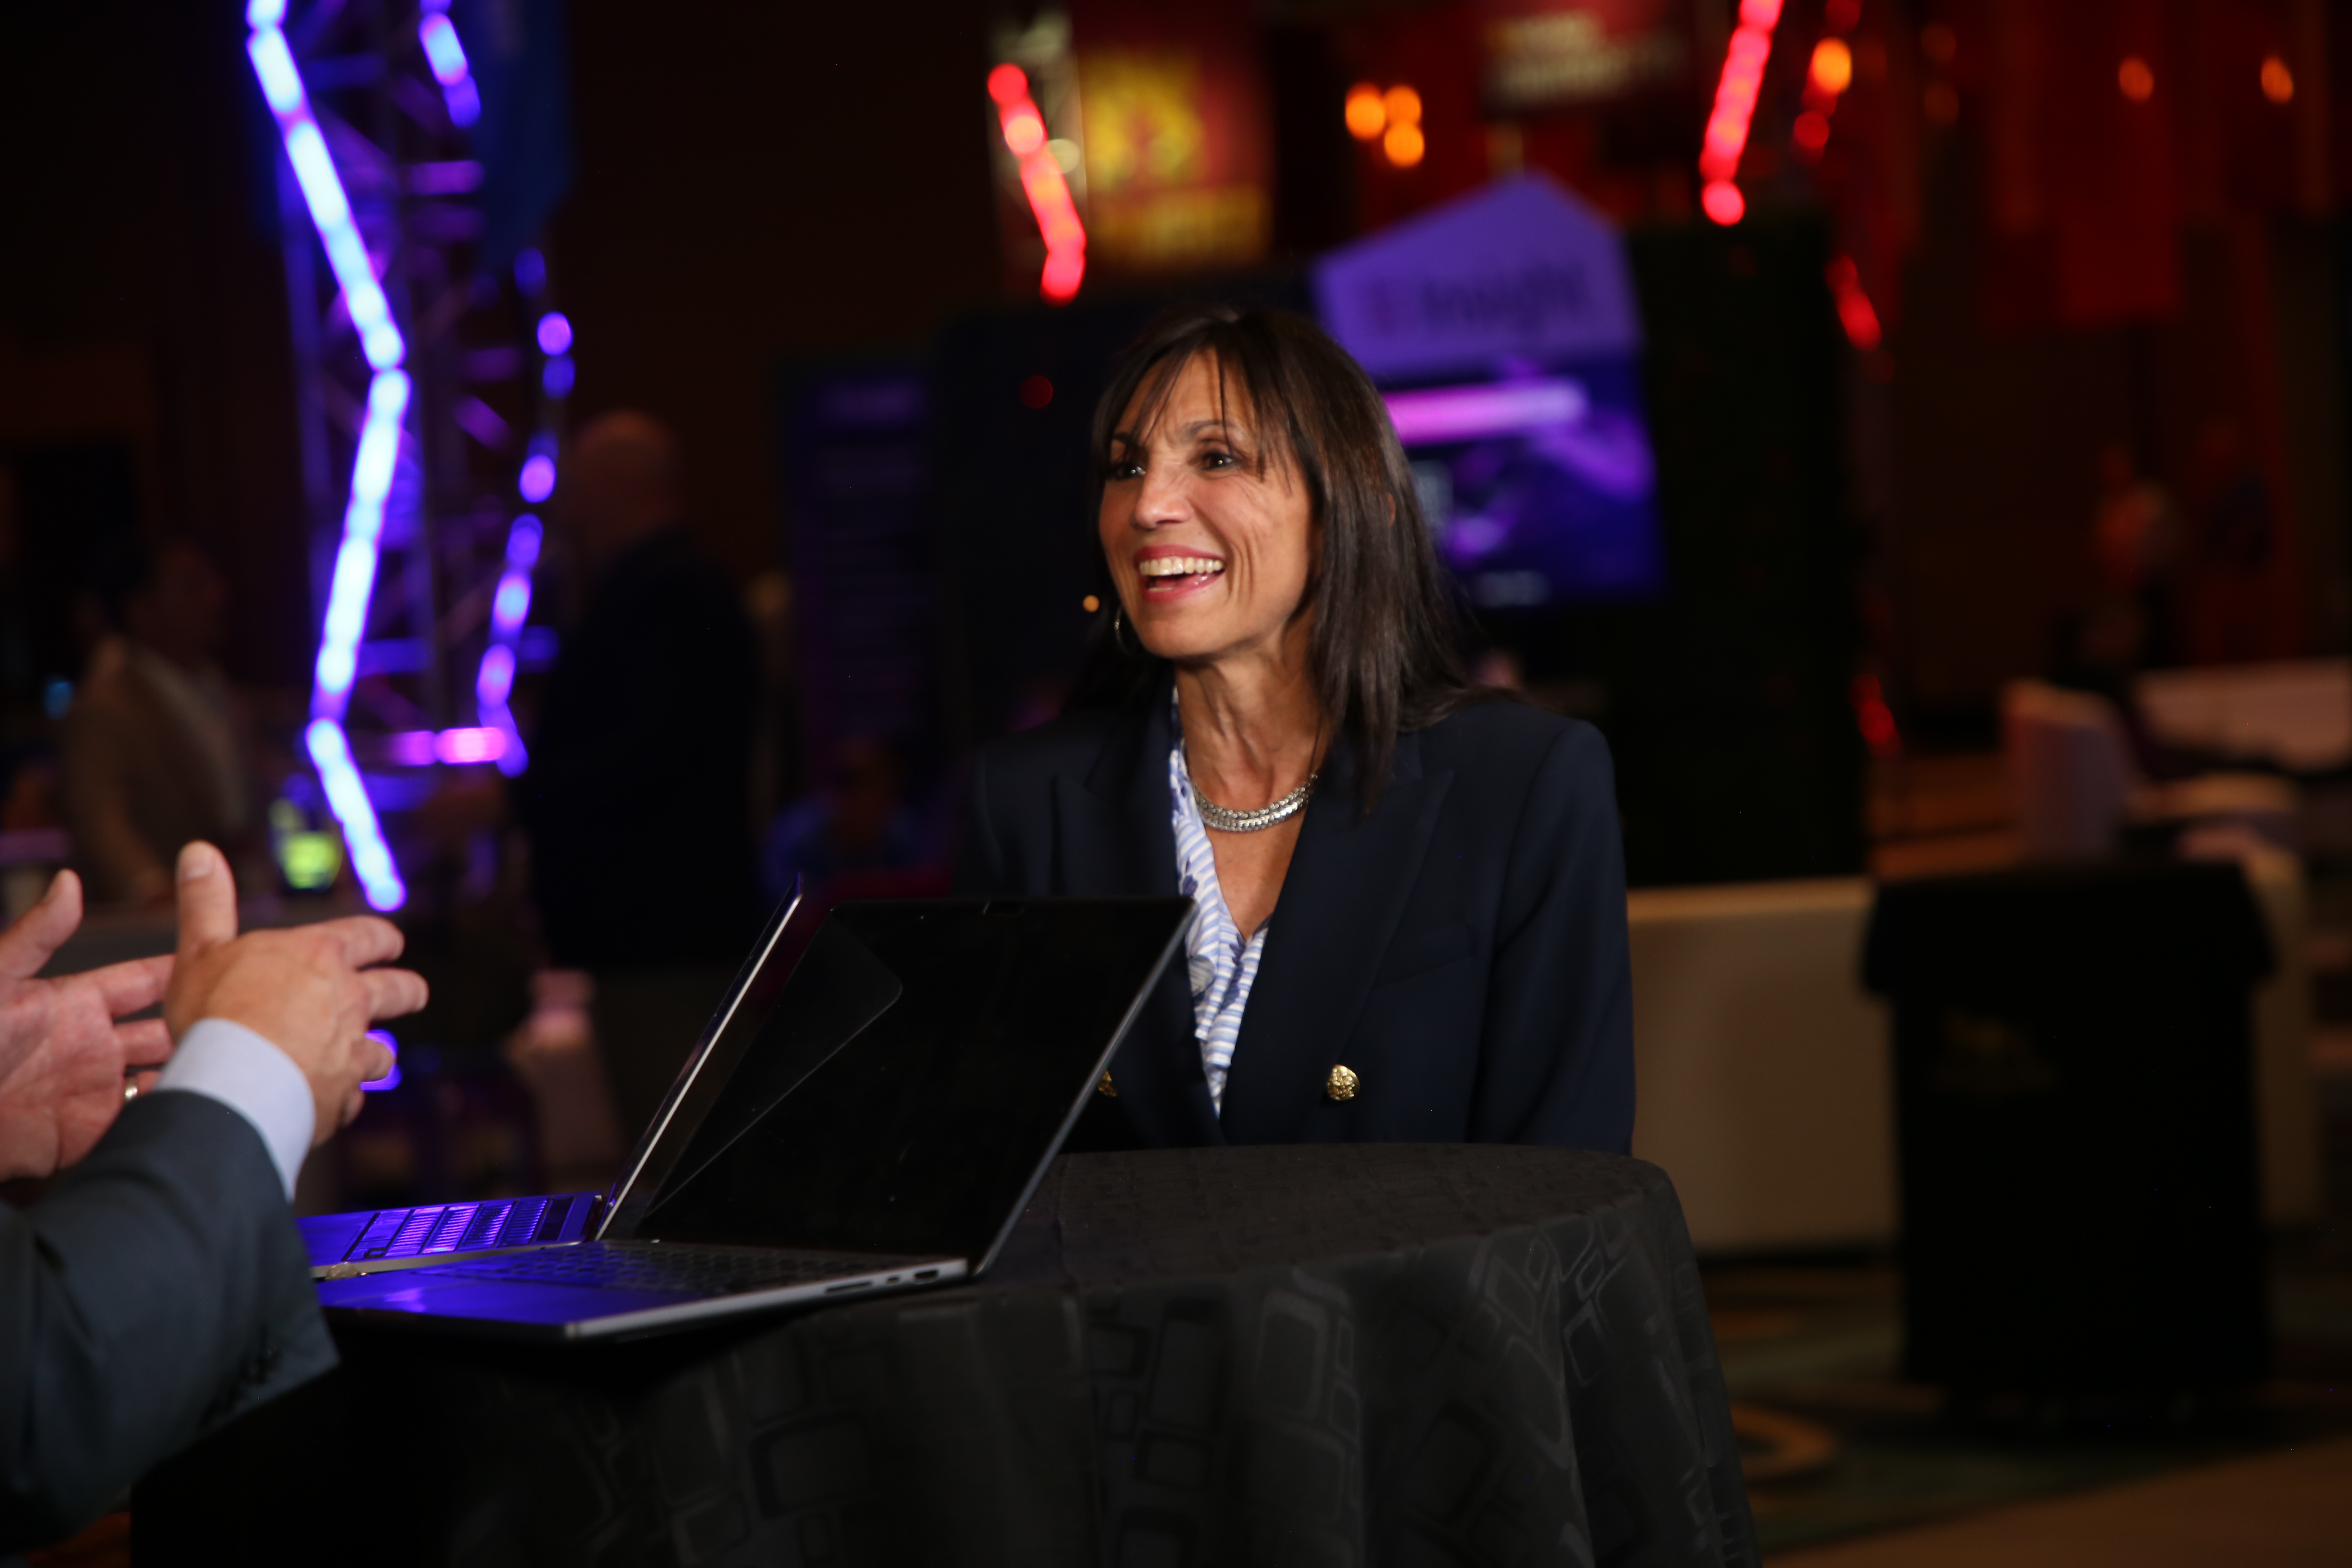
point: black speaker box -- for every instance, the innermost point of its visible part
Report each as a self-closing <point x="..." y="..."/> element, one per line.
<point x="2073" y="1084"/>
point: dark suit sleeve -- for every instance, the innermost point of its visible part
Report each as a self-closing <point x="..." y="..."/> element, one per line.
<point x="1556" y="1065"/>
<point x="159" y="1289"/>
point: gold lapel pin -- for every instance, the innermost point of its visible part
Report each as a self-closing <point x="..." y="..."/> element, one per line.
<point x="1105" y="1086"/>
<point x="1341" y="1084"/>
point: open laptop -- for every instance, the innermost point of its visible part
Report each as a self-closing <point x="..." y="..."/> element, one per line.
<point x="880" y="1127"/>
<point x="372" y="1241"/>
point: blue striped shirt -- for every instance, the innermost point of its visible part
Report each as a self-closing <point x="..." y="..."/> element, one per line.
<point x="1221" y="964"/>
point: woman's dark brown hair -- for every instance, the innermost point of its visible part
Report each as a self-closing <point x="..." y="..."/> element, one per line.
<point x="1384" y="646"/>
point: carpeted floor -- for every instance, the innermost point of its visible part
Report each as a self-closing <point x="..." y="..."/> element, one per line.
<point x="1841" y="1446"/>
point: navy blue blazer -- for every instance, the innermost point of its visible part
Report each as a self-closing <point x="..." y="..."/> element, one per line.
<point x="157" y="1290"/>
<point x="1463" y="949"/>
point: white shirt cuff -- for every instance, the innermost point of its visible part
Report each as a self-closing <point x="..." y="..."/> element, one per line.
<point x="245" y="1072"/>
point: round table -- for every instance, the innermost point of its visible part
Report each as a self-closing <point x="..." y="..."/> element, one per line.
<point x="1324" y="1354"/>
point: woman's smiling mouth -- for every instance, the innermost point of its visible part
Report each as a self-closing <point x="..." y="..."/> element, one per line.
<point x="1167" y="575"/>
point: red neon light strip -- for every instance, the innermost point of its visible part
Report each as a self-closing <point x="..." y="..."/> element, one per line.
<point x="1041" y="183"/>
<point x="1735" y="107"/>
<point x="1855" y="312"/>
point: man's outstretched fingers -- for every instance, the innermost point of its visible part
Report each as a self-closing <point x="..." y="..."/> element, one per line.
<point x="207" y="899"/>
<point x="132" y="984"/>
<point x="376" y="1060"/>
<point x="362" y="939"/>
<point x="394" y="992"/>
<point x="41" y="930"/>
<point x="145" y="1044"/>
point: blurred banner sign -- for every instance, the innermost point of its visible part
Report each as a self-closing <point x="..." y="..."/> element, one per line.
<point x="1522" y="271"/>
<point x="1544" y="54"/>
<point x="1177" y="140"/>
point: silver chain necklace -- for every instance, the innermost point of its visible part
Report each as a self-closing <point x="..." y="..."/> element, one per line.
<point x="1226" y="820"/>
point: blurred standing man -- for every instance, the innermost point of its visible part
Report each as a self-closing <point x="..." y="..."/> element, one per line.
<point x="636" y="799"/>
<point x="152" y="751"/>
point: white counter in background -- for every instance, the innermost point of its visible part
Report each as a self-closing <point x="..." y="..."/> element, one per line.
<point x="1762" y="1083"/>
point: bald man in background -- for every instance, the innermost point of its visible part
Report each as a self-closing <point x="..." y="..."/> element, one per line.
<point x="637" y="800"/>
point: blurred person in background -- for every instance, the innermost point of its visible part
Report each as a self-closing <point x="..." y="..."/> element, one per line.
<point x="637" y="800"/>
<point x="861" y="823"/>
<point x="2232" y="610"/>
<point x="152" y="750"/>
<point x="2136" y="549"/>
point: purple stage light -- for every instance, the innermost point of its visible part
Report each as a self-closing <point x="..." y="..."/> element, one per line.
<point x="538" y="480"/>
<point x="354" y="577"/>
<point x="459" y="747"/>
<point x="391" y="1079"/>
<point x="511" y="602"/>
<point x="330" y="753"/>
<point x="322" y="190"/>
<point x="371" y="466"/>
<point x="493" y="685"/>
<point x="446" y="55"/>
<point x="555" y="376"/>
<point x="554" y="332"/>
<point x="522" y="545"/>
<point x="410" y="748"/>
<point x="530" y="272"/>
<point x="1445" y="414"/>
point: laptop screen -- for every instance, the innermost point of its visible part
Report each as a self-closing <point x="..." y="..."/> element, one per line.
<point x="918" y="1071"/>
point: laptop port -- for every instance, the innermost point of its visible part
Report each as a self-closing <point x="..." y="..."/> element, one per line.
<point x="927" y="1274"/>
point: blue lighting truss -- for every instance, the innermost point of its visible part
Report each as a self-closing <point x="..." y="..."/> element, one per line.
<point x="422" y="375"/>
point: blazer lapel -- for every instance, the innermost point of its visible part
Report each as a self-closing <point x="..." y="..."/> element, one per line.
<point x="1113" y="837"/>
<point x="1342" y="900"/>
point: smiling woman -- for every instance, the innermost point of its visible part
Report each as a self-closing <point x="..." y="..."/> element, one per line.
<point x="1411" y="920"/>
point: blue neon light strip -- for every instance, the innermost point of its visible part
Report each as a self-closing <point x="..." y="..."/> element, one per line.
<point x="371" y="466"/>
<point x="510" y="607"/>
<point x="446" y="55"/>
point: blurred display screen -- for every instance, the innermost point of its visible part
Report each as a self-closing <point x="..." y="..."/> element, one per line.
<point x="1540" y="489"/>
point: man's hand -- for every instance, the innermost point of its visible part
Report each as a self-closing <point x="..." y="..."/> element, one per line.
<point x="304" y="989"/>
<point x="64" y="1060"/>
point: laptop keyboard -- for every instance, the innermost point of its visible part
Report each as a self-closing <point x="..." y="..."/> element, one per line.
<point x="437" y="1228"/>
<point x="670" y="1266"/>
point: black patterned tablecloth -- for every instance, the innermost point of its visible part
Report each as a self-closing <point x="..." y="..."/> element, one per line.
<point x="1320" y="1355"/>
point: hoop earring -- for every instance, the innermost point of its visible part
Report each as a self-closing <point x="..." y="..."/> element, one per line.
<point x="1118" y="634"/>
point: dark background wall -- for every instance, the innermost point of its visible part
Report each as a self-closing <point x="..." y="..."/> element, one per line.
<point x="770" y="181"/>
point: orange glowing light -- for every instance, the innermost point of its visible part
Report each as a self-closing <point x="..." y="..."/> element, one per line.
<point x="2278" y="83"/>
<point x="1401" y="105"/>
<point x="1090" y="604"/>
<point x="1366" y="116"/>
<point x="1024" y="129"/>
<point x="1832" y="66"/>
<point x="1024" y="132"/>
<point x="2138" y="82"/>
<point x="1735" y="108"/>
<point x="1404" y="144"/>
